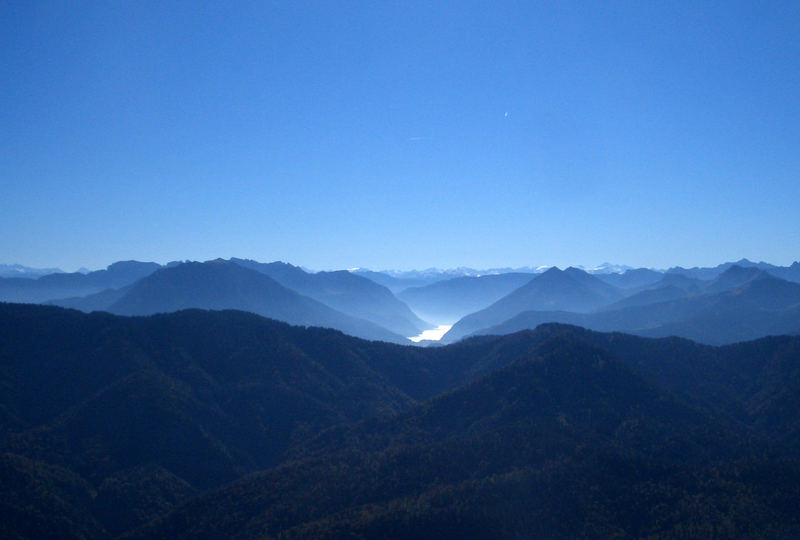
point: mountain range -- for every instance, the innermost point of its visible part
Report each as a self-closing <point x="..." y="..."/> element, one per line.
<point x="789" y="273"/>
<point x="399" y="280"/>
<point x="225" y="424"/>
<point x="226" y="285"/>
<point x="63" y="285"/>
<point x="18" y="270"/>
<point x="741" y="303"/>
<point x="346" y="292"/>
<point x="394" y="306"/>
<point x="555" y="290"/>
<point x="338" y="300"/>
<point x="449" y="300"/>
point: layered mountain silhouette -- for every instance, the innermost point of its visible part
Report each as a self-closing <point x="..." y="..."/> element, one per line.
<point x="222" y="284"/>
<point x="449" y="300"/>
<point x="93" y="302"/>
<point x="763" y="306"/>
<point x="789" y="273"/>
<point x="735" y="277"/>
<point x="634" y="278"/>
<point x="350" y="296"/>
<point x="345" y="292"/>
<point x="669" y="287"/>
<point x="554" y="290"/>
<point x="18" y="270"/>
<point x="209" y="422"/>
<point x="394" y="284"/>
<point x="444" y="298"/>
<point x="648" y="296"/>
<point x="63" y="285"/>
<point x="689" y="285"/>
<point x="396" y="280"/>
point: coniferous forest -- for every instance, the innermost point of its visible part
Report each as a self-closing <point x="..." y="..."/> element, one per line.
<point x="226" y="424"/>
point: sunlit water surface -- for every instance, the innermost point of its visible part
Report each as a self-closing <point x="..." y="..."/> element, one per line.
<point x="434" y="334"/>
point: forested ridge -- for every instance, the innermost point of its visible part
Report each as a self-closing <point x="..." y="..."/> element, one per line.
<point x="210" y="424"/>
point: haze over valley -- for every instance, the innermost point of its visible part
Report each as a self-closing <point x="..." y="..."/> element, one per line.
<point x="730" y="302"/>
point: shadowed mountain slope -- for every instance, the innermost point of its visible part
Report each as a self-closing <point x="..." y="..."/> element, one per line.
<point x="100" y="301"/>
<point x="196" y="398"/>
<point x="108" y="422"/>
<point x="449" y="300"/>
<point x="735" y="277"/>
<point x="225" y="285"/>
<point x="397" y="284"/>
<point x="762" y="307"/>
<point x="688" y="284"/>
<point x="131" y="415"/>
<point x="62" y="285"/>
<point x="346" y="292"/>
<point x="789" y="273"/>
<point x="554" y="290"/>
<point x="630" y="279"/>
<point x="650" y="296"/>
<point x="567" y="441"/>
<point x="669" y="287"/>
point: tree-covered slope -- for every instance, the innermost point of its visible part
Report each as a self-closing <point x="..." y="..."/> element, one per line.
<point x="568" y="441"/>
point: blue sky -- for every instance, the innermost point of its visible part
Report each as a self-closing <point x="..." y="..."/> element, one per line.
<point x="400" y="134"/>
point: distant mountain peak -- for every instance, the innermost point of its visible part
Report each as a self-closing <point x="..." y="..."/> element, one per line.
<point x="737" y="276"/>
<point x="18" y="270"/>
<point x="738" y="270"/>
<point x="607" y="268"/>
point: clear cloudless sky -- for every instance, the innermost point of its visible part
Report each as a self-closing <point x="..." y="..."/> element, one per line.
<point x="400" y="134"/>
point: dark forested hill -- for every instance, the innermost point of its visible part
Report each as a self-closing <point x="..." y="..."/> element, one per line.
<point x="165" y="405"/>
<point x="108" y="423"/>
<point x="568" y="441"/>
